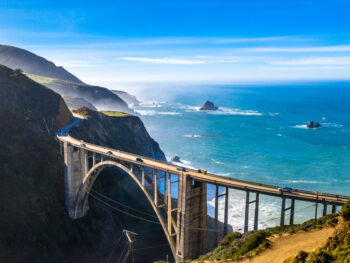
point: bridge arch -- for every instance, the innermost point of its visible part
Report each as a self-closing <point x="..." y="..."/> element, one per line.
<point x="81" y="202"/>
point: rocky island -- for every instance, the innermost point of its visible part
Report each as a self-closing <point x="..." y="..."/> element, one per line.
<point x="208" y="105"/>
<point x="313" y="125"/>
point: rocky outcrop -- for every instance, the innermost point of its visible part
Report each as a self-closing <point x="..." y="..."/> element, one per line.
<point x="77" y="103"/>
<point x="125" y="133"/>
<point x="128" y="98"/>
<point x="175" y="159"/>
<point x="313" y="125"/>
<point x="208" y="105"/>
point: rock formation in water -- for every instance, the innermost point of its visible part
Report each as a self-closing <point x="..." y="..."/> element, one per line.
<point x="313" y="125"/>
<point x="176" y="159"/>
<point x="208" y="105"/>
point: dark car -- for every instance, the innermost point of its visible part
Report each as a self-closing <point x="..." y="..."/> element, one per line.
<point x="83" y="144"/>
<point x="285" y="189"/>
<point x="138" y="159"/>
<point x="109" y="152"/>
<point x="202" y="171"/>
<point x="182" y="169"/>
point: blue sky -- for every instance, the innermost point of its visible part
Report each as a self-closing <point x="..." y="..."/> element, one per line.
<point x="114" y="42"/>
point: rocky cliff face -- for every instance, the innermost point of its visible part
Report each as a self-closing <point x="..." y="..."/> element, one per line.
<point x="34" y="225"/>
<point x="124" y="132"/>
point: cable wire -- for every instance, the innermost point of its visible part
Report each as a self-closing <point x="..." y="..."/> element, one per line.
<point x="121" y="211"/>
<point x="131" y="208"/>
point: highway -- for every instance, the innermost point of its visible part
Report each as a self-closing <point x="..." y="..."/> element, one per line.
<point x="272" y="190"/>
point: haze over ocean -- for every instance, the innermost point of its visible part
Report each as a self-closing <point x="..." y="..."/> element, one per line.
<point x="259" y="134"/>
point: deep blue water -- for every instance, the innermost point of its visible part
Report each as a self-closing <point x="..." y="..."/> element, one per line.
<point x="259" y="134"/>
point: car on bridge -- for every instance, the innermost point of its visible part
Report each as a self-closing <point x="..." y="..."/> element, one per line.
<point x="286" y="189"/>
<point x="138" y="159"/>
<point x="182" y="169"/>
<point x="83" y="144"/>
<point x="202" y="171"/>
<point x="109" y="152"/>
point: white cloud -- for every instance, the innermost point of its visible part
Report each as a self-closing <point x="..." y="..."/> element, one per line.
<point x="343" y="48"/>
<point x="173" y="61"/>
<point x="315" y="61"/>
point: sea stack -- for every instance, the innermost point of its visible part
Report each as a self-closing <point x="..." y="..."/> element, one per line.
<point x="313" y="125"/>
<point x="208" y="105"/>
<point x="176" y="159"/>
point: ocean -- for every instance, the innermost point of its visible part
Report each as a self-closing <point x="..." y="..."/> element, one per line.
<point x="259" y="134"/>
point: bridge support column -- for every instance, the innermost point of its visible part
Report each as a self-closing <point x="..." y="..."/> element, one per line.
<point x="191" y="219"/>
<point x="76" y="166"/>
<point x="68" y="178"/>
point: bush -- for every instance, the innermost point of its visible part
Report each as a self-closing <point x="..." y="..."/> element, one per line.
<point x="255" y="240"/>
<point x="319" y="257"/>
<point x="346" y="210"/>
<point x="301" y="257"/>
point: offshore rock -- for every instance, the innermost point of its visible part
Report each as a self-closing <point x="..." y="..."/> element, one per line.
<point x="208" y="105"/>
<point x="313" y="125"/>
<point x="176" y="159"/>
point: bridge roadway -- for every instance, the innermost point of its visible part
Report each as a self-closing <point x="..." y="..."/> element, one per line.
<point x="218" y="180"/>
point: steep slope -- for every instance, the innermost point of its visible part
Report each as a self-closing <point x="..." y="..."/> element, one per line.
<point x="100" y="97"/>
<point x="126" y="133"/>
<point x="77" y="103"/>
<point x="18" y="58"/>
<point x="128" y="98"/>
<point x="34" y="225"/>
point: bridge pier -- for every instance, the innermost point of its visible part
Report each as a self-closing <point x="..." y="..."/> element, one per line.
<point x="284" y="209"/>
<point x="256" y="211"/>
<point x="191" y="219"/>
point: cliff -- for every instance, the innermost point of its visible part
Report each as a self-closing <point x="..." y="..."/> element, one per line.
<point x="122" y="131"/>
<point x="34" y="225"/>
<point x="128" y="98"/>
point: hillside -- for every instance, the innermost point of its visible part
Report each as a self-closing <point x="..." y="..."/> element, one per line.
<point x="128" y="133"/>
<point x="17" y="58"/>
<point x="99" y="97"/>
<point x="34" y="225"/>
<point x="128" y="98"/>
<point x="77" y="103"/>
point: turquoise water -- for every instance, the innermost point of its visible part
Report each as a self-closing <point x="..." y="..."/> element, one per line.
<point x="259" y="134"/>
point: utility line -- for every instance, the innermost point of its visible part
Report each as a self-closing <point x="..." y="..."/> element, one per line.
<point x="110" y="199"/>
<point x="138" y="217"/>
<point x="114" y="247"/>
<point x="121" y="255"/>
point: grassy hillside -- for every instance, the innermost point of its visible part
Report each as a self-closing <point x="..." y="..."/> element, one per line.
<point x="17" y="58"/>
<point x="99" y="97"/>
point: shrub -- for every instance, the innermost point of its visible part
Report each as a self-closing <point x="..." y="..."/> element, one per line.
<point x="346" y="210"/>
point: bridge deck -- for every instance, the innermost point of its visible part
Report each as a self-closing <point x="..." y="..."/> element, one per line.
<point x="297" y="194"/>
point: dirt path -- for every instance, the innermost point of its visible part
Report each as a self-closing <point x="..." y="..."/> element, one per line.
<point x="286" y="246"/>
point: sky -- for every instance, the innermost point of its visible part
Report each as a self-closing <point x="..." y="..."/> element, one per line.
<point x="119" y="42"/>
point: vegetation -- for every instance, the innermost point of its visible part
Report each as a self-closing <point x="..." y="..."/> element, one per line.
<point x="41" y="79"/>
<point x="237" y="245"/>
<point x="337" y="247"/>
<point x="115" y="113"/>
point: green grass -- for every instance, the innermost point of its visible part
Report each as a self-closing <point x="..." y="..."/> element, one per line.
<point x="236" y="245"/>
<point x="115" y="113"/>
<point x="41" y="79"/>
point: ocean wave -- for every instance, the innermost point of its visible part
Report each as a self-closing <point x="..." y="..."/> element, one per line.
<point x="191" y="135"/>
<point x="306" y="182"/>
<point x="268" y="212"/>
<point x="229" y="111"/>
<point x="153" y="112"/>
<point x="217" y="162"/>
<point x="304" y="126"/>
<point x="273" y="113"/>
<point x="279" y="135"/>
<point x="335" y="125"/>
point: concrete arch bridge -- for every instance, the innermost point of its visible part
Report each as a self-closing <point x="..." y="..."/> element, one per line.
<point x="183" y="221"/>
